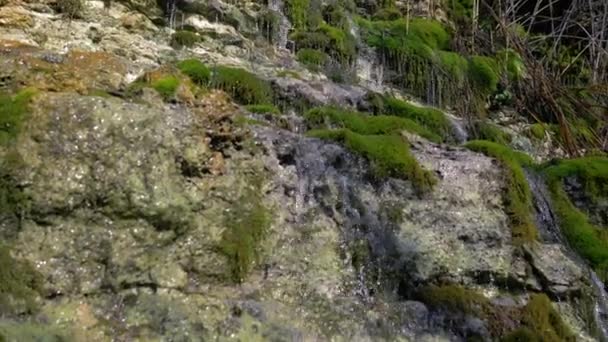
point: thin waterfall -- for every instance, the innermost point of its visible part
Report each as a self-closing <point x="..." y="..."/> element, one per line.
<point x="550" y="232"/>
<point x="278" y="7"/>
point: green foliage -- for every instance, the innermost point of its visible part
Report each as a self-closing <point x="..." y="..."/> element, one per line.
<point x="20" y="284"/>
<point x="71" y="8"/>
<point x="432" y="119"/>
<point x="517" y="197"/>
<point x="13" y="110"/>
<point x="484" y="74"/>
<point x="546" y="323"/>
<point x="364" y="124"/>
<point x="454" y="298"/>
<point x="297" y="10"/>
<point x="245" y="87"/>
<point x="198" y="72"/>
<point x="289" y="74"/>
<point x="314" y="60"/>
<point x="263" y="109"/>
<point x="184" y="38"/>
<point x="166" y="86"/>
<point x="491" y="132"/>
<point x="589" y="241"/>
<point x="246" y="225"/>
<point x="389" y="155"/>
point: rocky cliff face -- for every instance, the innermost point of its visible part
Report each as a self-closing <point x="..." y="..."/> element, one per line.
<point x="180" y="215"/>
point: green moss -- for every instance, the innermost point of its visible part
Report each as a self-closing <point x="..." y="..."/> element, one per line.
<point x="432" y="119"/>
<point x="166" y="86"/>
<point x="243" y="86"/>
<point x="460" y="11"/>
<point x="454" y="65"/>
<point x="389" y="155"/>
<point x="517" y="196"/>
<point x="590" y="241"/>
<point x="297" y="10"/>
<point x="10" y="331"/>
<point x="263" y="109"/>
<point x="512" y="62"/>
<point x="198" y="72"/>
<point x="20" y="284"/>
<point x="484" y="74"/>
<point x="13" y="111"/>
<point x="184" y="38"/>
<point x="491" y="132"/>
<point x="541" y="318"/>
<point x="364" y="124"/>
<point x="246" y="225"/>
<point x="537" y="131"/>
<point x="454" y="298"/>
<point x="314" y="60"/>
<point x="289" y="74"/>
<point x="335" y="42"/>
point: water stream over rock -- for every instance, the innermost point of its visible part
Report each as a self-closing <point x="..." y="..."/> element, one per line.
<point x="550" y="232"/>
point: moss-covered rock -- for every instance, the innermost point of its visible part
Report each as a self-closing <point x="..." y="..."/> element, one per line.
<point x="432" y="119"/>
<point x="263" y="109"/>
<point x="184" y="38"/>
<point x="20" y="284"/>
<point x="361" y="123"/>
<point x="589" y="240"/>
<point x="314" y="60"/>
<point x="517" y="195"/>
<point x="389" y="155"/>
<point x="243" y="86"/>
<point x="198" y="72"/>
<point x="246" y="225"/>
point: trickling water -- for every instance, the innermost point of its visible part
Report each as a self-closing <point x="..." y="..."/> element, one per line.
<point x="550" y="232"/>
<point x="171" y="12"/>
<point x="459" y="131"/>
<point x="369" y="69"/>
<point x="277" y="6"/>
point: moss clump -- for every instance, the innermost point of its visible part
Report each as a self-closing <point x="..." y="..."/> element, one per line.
<point x="336" y="42"/>
<point x="389" y="155"/>
<point x="20" y="284"/>
<point x="263" y="109"/>
<point x="512" y="62"/>
<point x="166" y="86"/>
<point x="454" y="298"/>
<point x="588" y="240"/>
<point x="13" y="110"/>
<point x="245" y="87"/>
<point x="184" y="38"/>
<point x="491" y="132"/>
<point x="537" y="131"/>
<point x="365" y="124"/>
<point x="246" y="225"/>
<point x="297" y="10"/>
<point x="484" y="74"/>
<point x="544" y="321"/>
<point x="198" y="72"/>
<point x="314" y="60"/>
<point x="432" y="119"/>
<point x="517" y="197"/>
